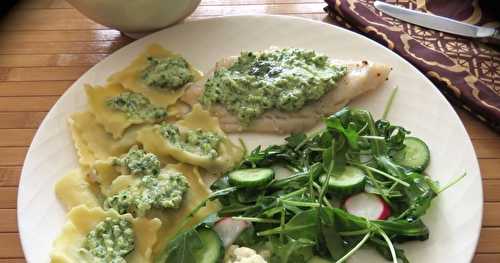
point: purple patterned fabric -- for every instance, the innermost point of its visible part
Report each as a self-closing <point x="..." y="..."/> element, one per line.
<point x="466" y="71"/>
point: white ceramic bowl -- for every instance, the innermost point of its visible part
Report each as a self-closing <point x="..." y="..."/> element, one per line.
<point x="136" y="16"/>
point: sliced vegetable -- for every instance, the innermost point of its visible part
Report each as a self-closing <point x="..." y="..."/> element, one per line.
<point x="369" y="206"/>
<point x="230" y="229"/>
<point x="254" y="177"/>
<point x="351" y="181"/>
<point x="212" y="250"/>
<point x="415" y="155"/>
<point x="199" y="245"/>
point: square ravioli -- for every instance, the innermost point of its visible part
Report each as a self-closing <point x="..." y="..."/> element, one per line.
<point x="93" y="143"/>
<point x="81" y="239"/>
<point x="74" y="189"/>
<point x="196" y="139"/>
<point x="158" y="74"/>
<point x="117" y="109"/>
<point x="135" y="162"/>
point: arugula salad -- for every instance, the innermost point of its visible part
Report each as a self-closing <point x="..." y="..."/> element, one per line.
<point x="358" y="182"/>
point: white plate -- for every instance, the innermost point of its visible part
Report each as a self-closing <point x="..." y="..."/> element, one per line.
<point x="455" y="217"/>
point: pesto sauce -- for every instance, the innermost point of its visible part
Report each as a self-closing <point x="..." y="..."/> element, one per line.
<point x="194" y="141"/>
<point x="167" y="73"/>
<point x="136" y="105"/>
<point x="283" y="79"/>
<point x="138" y="162"/>
<point x="110" y="241"/>
<point x="161" y="191"/>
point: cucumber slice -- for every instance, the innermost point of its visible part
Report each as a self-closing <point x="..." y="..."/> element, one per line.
<point x="212" y="250"/>
<point x="351" y="181"/>
<point x="414" y="156"/>
<point x="251" y="177"/>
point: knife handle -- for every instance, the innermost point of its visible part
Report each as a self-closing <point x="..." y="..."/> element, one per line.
<point x="493" y="39"/>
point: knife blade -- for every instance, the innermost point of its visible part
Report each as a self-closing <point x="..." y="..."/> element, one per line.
<point x="435" y="22"/>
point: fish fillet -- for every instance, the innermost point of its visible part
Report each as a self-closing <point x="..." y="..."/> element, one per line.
<point x="360" y="78"/>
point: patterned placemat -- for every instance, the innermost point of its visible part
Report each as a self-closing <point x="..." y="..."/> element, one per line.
<point x="466" y="71"/>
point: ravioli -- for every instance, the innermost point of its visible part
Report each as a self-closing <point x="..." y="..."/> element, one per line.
<point x="73" y="190"/>
<point x="198" y="119"/>
<point x="82" y="219"/>
<point x="120" y="113"/>
<point x="172" y="219"/>
<point x="130" y="77"/>
<point x="93" y="143"/>
<point x="114" y="121"/>
<point x="104" y="172"/>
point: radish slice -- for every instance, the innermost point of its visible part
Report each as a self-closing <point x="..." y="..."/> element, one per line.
<point x="229" y="229"/>
<point x="369" y="206"/>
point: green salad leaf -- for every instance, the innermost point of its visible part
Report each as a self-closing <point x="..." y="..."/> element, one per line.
<point x="182" y="248"/>
<point x="299" y="217"/>
<point x="291" y="251"/>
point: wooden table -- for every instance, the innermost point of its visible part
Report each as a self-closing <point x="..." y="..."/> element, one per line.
<point x="45" y="45"/>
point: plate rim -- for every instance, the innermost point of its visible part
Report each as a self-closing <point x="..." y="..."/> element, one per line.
<point x="147" y="38"/>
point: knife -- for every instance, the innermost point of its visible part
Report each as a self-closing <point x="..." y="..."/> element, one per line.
<point x="439" y="23"/>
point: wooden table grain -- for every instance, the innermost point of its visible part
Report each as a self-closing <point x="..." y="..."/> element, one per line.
<point x="45" y="45"/>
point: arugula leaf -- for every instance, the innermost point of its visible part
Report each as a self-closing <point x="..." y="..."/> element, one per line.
<point x="334" y="122"/>
<point x="364" y="118"/>
<point x="400" y="229"/>
<point x="262" y="204"/>
<point x="330" y="234"/>
<point x="403" y="230"/>
<point x="417" y="197"/>
<point x="307" y="225"/>
<point x="266" y="157"/>
<point x="340" y="159"/>
<point x="334" y="157"/>
<point x="181" y="248"/>
<point x="298" y="178"/>
<point x="382" y="247"/>
<point x="302" y="225"/>
<point x="293" y="251"/>
<point x="394" y="135"/>
<point x="324" y="140"/>
<point x="333" y="242"/>
<point x="296" y="140"/>
<point x="390" y="166"/>
<point x="328" y="160"/>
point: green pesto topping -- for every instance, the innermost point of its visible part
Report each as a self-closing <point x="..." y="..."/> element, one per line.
<point x="283" y="79"/>
<point x="138" y="162"/>
<point x="194" y="141"/>
<point x="135" y="105"/>
<point x="167" y="73"/>
<point x="162" y="191"/>
<point x="110" y="241"/>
